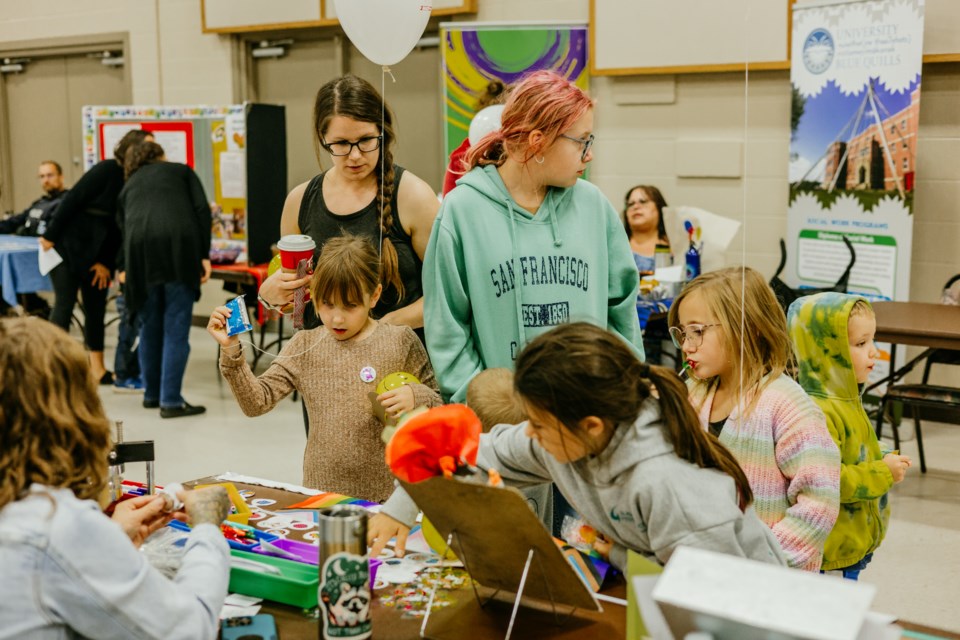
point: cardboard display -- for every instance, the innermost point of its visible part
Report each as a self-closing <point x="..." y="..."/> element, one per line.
<point x="494" y="532"/>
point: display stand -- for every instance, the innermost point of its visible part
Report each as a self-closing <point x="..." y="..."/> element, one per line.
<point x="238" y="152"/>
<point x="502" y="544"/>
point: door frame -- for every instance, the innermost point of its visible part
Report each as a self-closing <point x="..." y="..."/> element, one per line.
<point x="49" y="48"/>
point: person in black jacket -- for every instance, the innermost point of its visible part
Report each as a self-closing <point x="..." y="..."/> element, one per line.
<point x="84" y="231"/>
<point x="32" y="221"/>
<point x="165" y="221"/>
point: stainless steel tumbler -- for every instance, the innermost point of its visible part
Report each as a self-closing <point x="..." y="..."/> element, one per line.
<point x="344" y="573"/>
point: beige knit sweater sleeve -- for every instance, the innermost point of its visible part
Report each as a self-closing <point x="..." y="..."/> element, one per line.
<point x="427" y="393"/>
<point x="258" y="395"/>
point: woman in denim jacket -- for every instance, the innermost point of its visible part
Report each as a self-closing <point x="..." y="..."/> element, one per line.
<point x="69" y="570"/>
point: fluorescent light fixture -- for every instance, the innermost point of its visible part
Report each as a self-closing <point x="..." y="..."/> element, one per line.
<point x="269" y="52"/>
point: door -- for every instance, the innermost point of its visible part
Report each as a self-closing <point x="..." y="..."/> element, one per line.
<point x="292" y="81"/>
<point x="43" y="118"/>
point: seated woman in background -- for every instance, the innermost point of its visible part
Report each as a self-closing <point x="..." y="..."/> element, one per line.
<point x="69" y="570"/>
<point x="643" y="222"/>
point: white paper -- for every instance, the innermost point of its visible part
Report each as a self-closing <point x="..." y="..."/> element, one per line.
<point x="725" y="592"/>
<point x="717" y="234"/>
<point x="112" y="133"/>
<point x="240" y="600"/>
<point x="174" y="145"/>
<point x="48" y="260"/>
<point x="233" y="174"/>
<point x="236" y="133"/>
<point x="231" y="611"/>
<point x="673" y="273"/>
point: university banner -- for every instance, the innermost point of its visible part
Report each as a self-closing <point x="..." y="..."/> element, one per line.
<point x="474" y="54"/>
<point x="856" y="97"/>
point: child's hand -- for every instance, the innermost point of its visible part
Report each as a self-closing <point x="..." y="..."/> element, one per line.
<point x="397" y="401"/>
<point x="380" y="528"/>
<point x="217" y="327"/>
<point x="602" y="546"/>
<point x="897" y="464"/>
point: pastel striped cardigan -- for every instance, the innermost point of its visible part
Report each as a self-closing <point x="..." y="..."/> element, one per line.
<point x="791" y="461"/>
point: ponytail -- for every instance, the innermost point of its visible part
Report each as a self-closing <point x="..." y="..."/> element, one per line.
<point x="681" y="426"/>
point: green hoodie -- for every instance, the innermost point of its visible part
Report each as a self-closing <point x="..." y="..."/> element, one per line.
<point x="818" y="328"/>
<point x="496" y="276"/>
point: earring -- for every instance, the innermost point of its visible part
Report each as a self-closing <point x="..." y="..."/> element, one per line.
<point x="539" y="160"/>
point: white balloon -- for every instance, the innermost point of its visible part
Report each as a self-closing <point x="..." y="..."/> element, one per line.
<point x="486" y="121"/>
<point x="384" y="31"/>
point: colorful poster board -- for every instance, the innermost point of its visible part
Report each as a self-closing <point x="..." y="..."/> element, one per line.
<point x="856" y="101"/>
<point x="474" y="54"/>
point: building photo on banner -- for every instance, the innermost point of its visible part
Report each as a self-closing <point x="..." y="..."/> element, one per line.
<point x="573" y="396"/>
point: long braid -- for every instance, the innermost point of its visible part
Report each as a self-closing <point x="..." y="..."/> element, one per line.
<point x="389" y="262"/>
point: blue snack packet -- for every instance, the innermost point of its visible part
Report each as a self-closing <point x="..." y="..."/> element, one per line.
<point x="239" y="320"/>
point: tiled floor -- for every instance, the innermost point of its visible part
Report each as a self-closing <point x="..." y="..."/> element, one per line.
<point x="916" y="570"/>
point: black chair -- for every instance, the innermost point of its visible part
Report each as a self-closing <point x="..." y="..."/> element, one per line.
<point x="786" y="294"/>
<point x="917" y="396"/>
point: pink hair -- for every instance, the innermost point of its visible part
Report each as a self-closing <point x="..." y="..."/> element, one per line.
<point x="544" y="101"/>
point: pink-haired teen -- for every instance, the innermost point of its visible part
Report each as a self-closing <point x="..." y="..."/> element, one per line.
<point x="522" y="244"/>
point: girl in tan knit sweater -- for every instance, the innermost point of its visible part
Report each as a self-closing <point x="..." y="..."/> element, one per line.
<point x="335" y="367"/>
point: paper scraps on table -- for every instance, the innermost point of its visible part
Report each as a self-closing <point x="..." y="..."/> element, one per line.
<point x="411" y="599"/>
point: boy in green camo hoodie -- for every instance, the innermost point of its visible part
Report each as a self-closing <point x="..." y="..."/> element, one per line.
<point x="833" y="337"/>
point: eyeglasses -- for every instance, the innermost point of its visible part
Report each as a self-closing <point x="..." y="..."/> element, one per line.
<point x="693" y="333"/>
<point x="343" y="148"/>
<point x="633" y="203"/>
<point x="586" y="142"/>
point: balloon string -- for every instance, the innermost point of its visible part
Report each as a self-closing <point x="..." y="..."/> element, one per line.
<point x="383" y="154"/>
<point x="387" y="71"/>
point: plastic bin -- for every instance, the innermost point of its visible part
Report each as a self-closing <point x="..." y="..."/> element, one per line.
<point x="296" y="585"/>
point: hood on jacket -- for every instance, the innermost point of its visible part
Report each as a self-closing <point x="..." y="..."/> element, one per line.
<point x="631" y="444"/>
<point x="818" y="329"/>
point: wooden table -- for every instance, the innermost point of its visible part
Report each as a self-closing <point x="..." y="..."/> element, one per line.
<point x="464" y="618"/>
<point x="936" y="326"/>
<point x="918" y="323"/>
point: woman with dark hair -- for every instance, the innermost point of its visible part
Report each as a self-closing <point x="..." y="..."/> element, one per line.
<point x="364" y="193"/>
<point x="643" y="221"/>
<point x="69" y="570"/>
<point x="84" y="231"/>
<point x="165" y="219"/>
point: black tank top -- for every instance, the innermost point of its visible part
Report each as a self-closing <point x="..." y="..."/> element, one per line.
<point x="316" y="221"/>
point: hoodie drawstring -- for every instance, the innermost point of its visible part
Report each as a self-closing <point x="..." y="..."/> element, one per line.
<point x="517" y="296"/>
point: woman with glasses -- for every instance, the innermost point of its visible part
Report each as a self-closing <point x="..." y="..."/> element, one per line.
<point x="364" y="193"/>
<point x="522" y="244"/>
<point x="732" y="334"/>
<point x="643" y="222"/>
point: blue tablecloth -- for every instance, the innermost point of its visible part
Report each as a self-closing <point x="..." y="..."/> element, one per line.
<point x="19" y="267"/>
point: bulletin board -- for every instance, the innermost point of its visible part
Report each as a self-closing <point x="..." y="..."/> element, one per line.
<point x="693" y="36"/>
<point x="237" y="151"/>
<point x="238" y="16"/>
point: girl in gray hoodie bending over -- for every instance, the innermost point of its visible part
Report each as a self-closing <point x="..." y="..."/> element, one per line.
<point x="638" y="468"/>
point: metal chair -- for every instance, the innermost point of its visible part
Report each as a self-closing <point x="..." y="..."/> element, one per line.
<point x="918" y="396"/>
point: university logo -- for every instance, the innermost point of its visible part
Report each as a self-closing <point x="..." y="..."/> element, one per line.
<point x="818" y="50"/>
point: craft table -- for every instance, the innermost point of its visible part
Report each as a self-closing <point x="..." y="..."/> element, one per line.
<point x="464" y="617"/>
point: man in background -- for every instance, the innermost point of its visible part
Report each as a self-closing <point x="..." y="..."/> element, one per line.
<point x="32" y="221"/>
